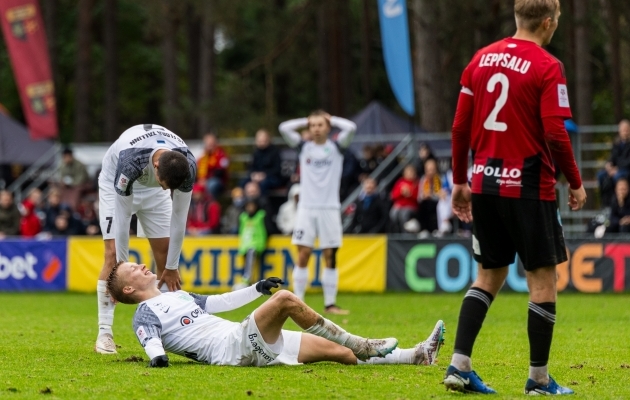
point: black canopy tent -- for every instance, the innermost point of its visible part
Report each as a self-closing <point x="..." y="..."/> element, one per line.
<point x="16" y="145"/>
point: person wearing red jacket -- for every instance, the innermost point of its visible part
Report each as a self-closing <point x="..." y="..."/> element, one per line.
<point x="29" y="224"/>
<point x="204" y="214"/>
<point x="212" y="166"/>
<point x="404" y="198"/>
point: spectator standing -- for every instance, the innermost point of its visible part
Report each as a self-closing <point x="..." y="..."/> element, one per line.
<point x="9" y="215"/>
<point x="424" y="153"/>
<point x="52" y="208"/>
<point x="620" y="209"/>
<point x="212" y="166"/>
<point x="370" y="211"/>
<point x="252" y="238"/>
<point x="619" y="164"/>
<point x="252" y="192"/>
<point x="368" y="162"/>
<point x="204" y="213"/>
<point x="288" y="211"/>
<point x="229" y="221"/>
<point x="404" y="199"/>
<point x="266" y="166"/>
<point x="72" y="178"/>
<point x="428" y="198"/>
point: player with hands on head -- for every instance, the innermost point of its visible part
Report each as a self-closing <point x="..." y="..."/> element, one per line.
<point x="142" y="170"/>
<point x="318" y="211"/>
<point x="510" y="113"/>
<point x="184" y="323"/>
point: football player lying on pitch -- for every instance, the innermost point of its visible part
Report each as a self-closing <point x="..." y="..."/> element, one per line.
<point x="183" y="323"/>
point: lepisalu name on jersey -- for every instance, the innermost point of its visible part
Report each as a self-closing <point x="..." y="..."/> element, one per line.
<point x="505" y="60"/>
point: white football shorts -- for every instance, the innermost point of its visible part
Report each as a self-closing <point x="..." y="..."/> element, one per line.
<point x="152" y="207"/>
<point x="324" y="224"/>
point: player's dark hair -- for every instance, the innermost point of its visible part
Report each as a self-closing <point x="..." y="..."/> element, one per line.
<point x="173" y="169"/>
<point x="115" y="285"/>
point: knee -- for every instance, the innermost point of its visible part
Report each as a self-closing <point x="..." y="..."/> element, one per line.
<point x="284" y="298"/>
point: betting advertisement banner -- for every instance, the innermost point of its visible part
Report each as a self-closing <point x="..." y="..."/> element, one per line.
<point x="32" y="265"/>
<point x="212" y="264"/>
<point x="448" y="266"/>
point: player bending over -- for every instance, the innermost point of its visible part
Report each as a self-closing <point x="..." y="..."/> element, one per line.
<point x="318" y="212"/>
<point x="140" y="170"/>
<point x="184" y="324"/>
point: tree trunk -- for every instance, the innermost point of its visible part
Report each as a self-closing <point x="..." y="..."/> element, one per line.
<point x="111" y="72"/>
<point x="270" y="106"/>
<point x="366" y="60"/>
<point x="612" y="16"/>
<point x="428" y="77"/>
<point x="584" y="88"/>
<point x="170" y="71"/>
<point x="82" y="78"/>
<point x="206" y="75"/>
<point x="323" y="61"/>
<point x="193" y="30"/>
<point x="49" y="11"/>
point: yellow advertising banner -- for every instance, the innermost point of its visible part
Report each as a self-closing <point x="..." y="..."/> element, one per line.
<point x="212" y="263"/>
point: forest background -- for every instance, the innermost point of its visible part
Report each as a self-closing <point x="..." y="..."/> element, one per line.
<point x="233" y="66"/>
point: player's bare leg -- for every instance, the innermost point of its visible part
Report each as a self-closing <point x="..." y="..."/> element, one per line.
<point x="271" y="316"/>
<point x="541" y="319"/>
<point x="169" y="279"/>
<point x="330" y="283"/>
<point x="300" y="271"/>
<point x="105" y="340"/>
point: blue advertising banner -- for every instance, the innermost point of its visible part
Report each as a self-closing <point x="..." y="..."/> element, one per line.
<point x="32" y="265"/>
<point x="395" y="36"/>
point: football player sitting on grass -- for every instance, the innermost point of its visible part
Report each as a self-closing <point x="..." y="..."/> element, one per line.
<point x="183" y="323"/>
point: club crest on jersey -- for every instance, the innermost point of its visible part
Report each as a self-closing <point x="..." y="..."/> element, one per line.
<point x="122" y="183"/>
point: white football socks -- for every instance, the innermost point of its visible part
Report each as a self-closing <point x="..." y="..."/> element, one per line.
<point x="461" y="362"/>
<point x="300" y="280"/>
<point x="105" y="309"/>
<point x="330" y="282"/>
<point x="398" y="356"/>
<point x="333" y="332"/>
<point x="539" y="374"/>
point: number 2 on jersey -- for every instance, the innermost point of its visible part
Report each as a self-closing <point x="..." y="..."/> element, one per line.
<point x="491" y="122"/>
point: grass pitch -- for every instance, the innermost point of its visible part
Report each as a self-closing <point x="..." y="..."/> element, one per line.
<point x="46" y="351"/>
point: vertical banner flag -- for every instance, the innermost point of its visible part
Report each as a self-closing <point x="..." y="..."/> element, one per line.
<point x="24" y="34"/>
<point x="395" y="36"/>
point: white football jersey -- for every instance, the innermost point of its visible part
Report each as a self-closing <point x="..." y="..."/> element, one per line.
<point x="180" y="323"/>
<point x="321" y="165"/>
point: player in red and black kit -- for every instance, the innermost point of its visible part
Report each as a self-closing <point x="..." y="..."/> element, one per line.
<point x="511" y="113"/>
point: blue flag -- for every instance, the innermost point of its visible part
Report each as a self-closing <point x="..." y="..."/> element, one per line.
<point x="395" y="36"/>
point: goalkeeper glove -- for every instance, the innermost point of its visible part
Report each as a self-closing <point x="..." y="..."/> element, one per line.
<point x="159" y="362"/>
<point x="266" y="285"/>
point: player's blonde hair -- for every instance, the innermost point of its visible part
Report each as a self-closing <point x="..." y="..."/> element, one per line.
<point x="531" y="13"/>
<point x="319" y="113"/>
<point x="115" y="285"/>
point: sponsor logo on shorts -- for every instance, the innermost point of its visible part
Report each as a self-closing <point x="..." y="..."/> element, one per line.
<point x="258" y="348"/>
<point x="298" y="234"/>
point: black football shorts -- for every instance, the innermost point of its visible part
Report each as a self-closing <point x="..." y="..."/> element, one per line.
<point x="504" y="227"/>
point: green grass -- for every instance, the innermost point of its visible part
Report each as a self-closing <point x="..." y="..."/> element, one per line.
<point x="46" y="351"/>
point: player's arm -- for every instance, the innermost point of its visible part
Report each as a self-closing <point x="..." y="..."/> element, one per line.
<point x="179" y="216"/>
<point x="148" y="331"/>
<point x="348" y="129"/>
<point x="288" y="130"/>
<point x="461" y="131"/>
<point x="238" y="298"/>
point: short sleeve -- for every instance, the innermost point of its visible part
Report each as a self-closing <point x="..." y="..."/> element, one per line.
<point x="131" y="162"/>
<point x="554" y="100"/>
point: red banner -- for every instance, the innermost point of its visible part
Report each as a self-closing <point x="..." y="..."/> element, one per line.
<point x="25" y="37"/>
